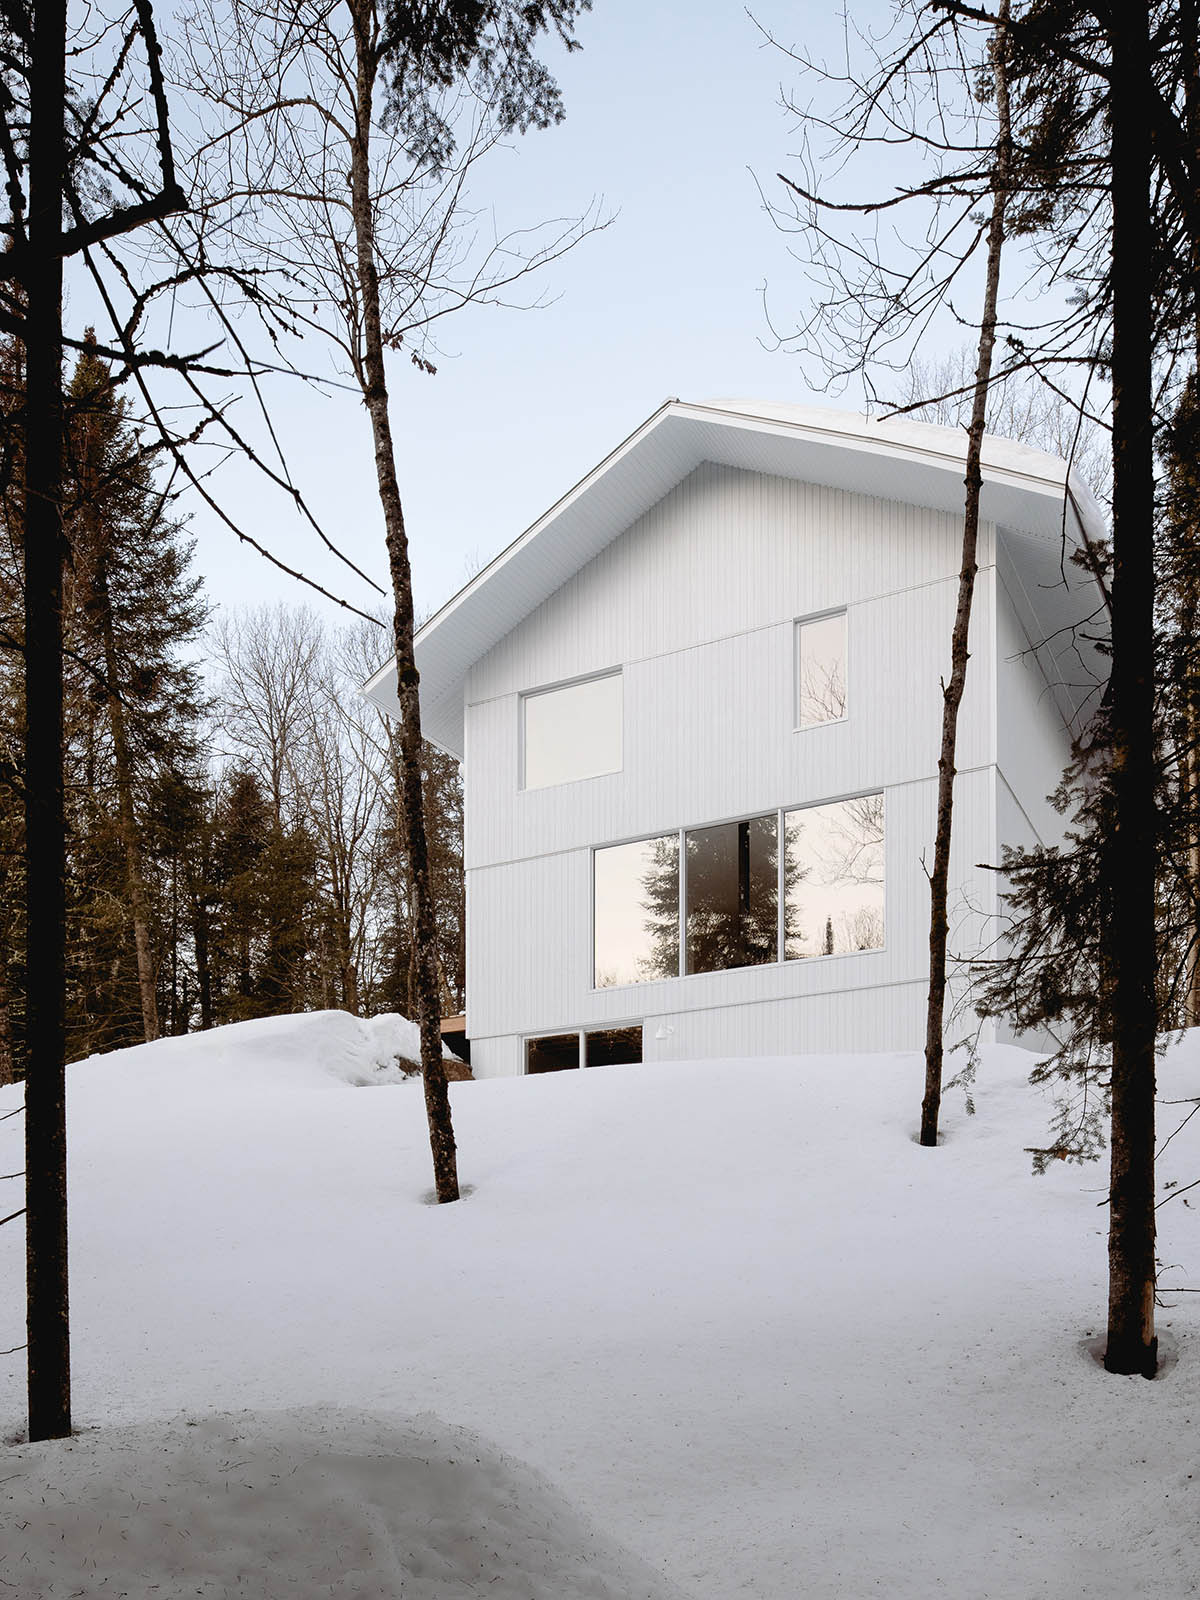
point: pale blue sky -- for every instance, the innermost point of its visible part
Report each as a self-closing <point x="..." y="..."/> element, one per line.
<point x="670" y="109"/>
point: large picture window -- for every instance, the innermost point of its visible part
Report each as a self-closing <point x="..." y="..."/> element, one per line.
<point x="636" y="911"/>
<point x="833" y="878"/>
<point x="732" y="892"/>
<point x="571" y="732"/>
<point x="821" y="670"/>
<point x="744" y="901"/>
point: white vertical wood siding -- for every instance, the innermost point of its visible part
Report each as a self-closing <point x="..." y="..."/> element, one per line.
<point x="1032" y="745"/>
<point x="696" y="603"/>
<point x="529" y="943"/>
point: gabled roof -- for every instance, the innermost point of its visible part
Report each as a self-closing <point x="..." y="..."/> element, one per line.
<point x="1024" y="492"/>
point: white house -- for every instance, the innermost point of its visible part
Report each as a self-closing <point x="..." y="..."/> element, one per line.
<point x="699" y="709"/>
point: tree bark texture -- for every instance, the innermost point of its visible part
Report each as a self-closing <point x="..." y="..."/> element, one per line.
<point x="1131" y="855"/>
<point x="952" y="692"/>
<point x="49" y="1362"/>
<point x="1189" y="18"/>
<point x="437" y="1098"/>
<point x="135" y="883"/>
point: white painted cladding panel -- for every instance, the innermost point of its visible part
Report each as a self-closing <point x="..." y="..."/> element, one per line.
<point x="530" y="954"/>
<point x="1032" y="746"/>
<point x="725" y="552"/>
<point x="696" y="603"/>
<point x="709" y="716"/>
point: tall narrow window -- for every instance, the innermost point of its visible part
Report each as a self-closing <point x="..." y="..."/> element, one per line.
<point x="821" y="670"/>
<point x="732" y="877"/>
<point x="833" y="878"/>
<point x="636" y="911"/>
<point x="572" y="732"/>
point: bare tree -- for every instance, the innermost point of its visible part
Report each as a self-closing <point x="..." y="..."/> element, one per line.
<point x="952" y="692"/>
<point x="1020" y="408"/>
<point x="56" y="144"/>
<point x="878" y="304"/>
<point x="1106" y="174"/>
<point x="270" y="658"/>
<point x="352" y="136"/>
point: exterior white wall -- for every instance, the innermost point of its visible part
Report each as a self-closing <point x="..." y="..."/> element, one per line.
<point x="696" y="603"/>
<point x="1032" y="743"/>
<point x="1032" y="749"/>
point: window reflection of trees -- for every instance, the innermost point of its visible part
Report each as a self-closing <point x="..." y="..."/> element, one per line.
<point x="821" y="684"/>
<point x="837" y="851"/>
<point x="732" y="890"/>
<point x="660" y="888"/>
<point x="637" y="911"/>
<point x="832" y="884"/>
<point x="822" y="692"/>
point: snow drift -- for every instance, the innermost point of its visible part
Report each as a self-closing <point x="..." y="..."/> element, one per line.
<point x="731" y="1311"/>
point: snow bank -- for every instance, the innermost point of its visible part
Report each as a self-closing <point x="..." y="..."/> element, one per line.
<point x="730" y="1309"/>
<point x="316" y="1049"/>
<point x="297" y="1504"/>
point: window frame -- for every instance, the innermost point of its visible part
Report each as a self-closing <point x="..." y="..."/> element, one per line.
<point x="523" y="787"/>
<point x="818" y="805"/>
<point x="781" y="814"/>
<point x="798" y="623"/>
<point x="617" y="844"/>
<point x="581" y="1034"/>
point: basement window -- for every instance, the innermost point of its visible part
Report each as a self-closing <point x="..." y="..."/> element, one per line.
<point x="554" y="1053"/>
<point x="613" y="1047"/>
<point x="598" y="1047"/>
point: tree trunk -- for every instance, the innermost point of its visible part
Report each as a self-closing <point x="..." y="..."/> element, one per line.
<point x="953" y="691"/>
<point x="350" y="995"/>
<point x="437" y="1099"/>
<point x="1131" y="855"/>
<point x="200" y="944"/>
<point x="1190" y="62"/>
<point x="8" y="1061"/>
<point x="135" y="883"/>
<point x="1191" y="786"/>
<point x="343" y="954"/>
<point x="49" y="1354"/>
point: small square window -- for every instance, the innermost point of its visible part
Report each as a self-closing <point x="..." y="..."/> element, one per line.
<point x="572" y="732"/>
<point x="821" y="670"/>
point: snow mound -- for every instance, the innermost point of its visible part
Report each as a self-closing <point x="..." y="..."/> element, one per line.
<point x="731" y="1309"/>
<point x="317" y="1048"/>
<point x="299" y="1503"/>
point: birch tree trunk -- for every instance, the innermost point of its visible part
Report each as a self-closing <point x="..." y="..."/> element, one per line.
<point x="952" y="692"/>
<point x="375" y="395"/>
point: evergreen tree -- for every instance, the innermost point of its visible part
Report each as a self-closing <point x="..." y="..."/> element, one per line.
<point x="133" y="704"/>
<point x="262" y="900"/>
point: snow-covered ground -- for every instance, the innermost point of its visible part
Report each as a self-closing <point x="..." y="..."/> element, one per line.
<point x="729" y="1312"/>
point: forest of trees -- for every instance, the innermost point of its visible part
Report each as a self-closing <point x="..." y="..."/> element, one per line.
<point x="200" y="821"/>
<point x="233" y="845"/>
